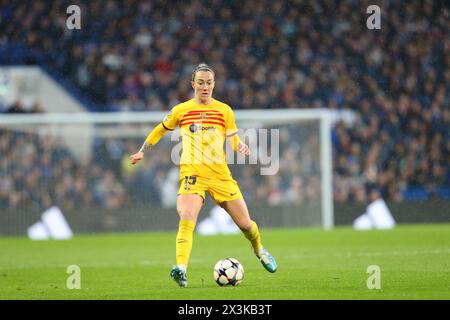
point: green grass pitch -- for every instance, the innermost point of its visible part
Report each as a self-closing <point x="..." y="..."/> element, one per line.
<point x="414" y="262"/>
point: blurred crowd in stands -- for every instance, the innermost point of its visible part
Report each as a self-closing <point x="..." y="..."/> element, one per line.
<point x="139" y="55"/>
<point x="37" y="171"/>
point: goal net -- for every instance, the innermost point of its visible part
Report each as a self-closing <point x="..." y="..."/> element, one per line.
<point x="79" y="163"/>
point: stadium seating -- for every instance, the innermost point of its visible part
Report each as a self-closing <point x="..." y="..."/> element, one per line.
<point x="139" y="57"/>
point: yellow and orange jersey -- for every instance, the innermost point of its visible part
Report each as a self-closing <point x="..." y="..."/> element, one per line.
<point x="204" y="129"/>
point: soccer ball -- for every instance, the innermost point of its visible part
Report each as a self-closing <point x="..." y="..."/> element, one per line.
<point x="228" y="272"/>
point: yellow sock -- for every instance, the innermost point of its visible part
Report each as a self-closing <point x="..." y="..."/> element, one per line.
<point x="254" y="237"/>
<point x="184" y="241"/>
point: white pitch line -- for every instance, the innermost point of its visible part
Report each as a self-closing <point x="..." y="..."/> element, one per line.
<point x="97" y="265"/>
<point x="371" y="253"/>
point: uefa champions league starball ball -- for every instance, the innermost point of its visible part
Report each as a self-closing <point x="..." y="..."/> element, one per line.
<point x="228" y="272"/>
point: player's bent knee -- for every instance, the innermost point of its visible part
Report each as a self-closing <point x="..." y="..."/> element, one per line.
<point x="246" y="227"/>
<point x="188" y="215"/>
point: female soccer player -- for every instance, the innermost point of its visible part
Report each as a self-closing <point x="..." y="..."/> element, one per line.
<point x="205" y="124"/>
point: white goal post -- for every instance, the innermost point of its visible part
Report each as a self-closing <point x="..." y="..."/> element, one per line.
<point x="82" y="126"/>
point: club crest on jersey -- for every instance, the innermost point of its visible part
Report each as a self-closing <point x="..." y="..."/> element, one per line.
<point x="202" y="116"/>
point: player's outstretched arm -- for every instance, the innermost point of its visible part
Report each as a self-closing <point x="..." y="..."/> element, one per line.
<point x="138" y="156"/>
<point x="151" y="140"/>
<point x="238" y="145"/>
<point x="243" y="148"/>
<point x="135" y="158"/>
